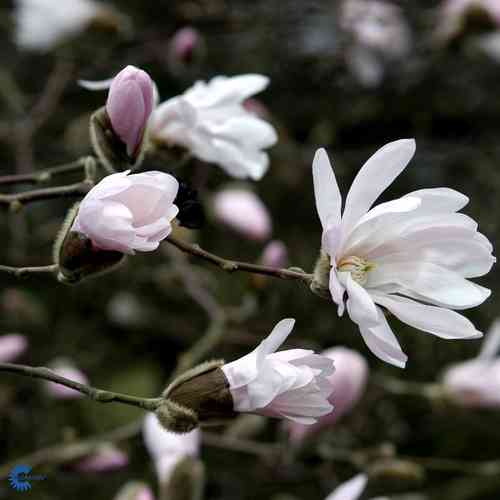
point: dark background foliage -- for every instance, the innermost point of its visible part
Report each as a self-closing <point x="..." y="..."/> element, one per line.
<point x="125" y="329"/>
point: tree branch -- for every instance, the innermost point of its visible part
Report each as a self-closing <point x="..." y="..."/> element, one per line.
<point x="21" y="272"/>
<point x="99" y="395"/>
<point x="234" y="266"/>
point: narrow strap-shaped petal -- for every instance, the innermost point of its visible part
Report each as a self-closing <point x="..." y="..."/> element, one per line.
<point x="374" y="177"/>
<point x="491" y="343"/>
<point x="326" y="190"/>
<point x="350" y="490"/>
<point x="360" y="305"/>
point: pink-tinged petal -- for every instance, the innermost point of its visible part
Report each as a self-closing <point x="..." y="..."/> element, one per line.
<point x="439" y="321"/>
<point x="107" y="458"/>
<point x="12" y="346"/>
<point x="360" y="305"/>
<point x="374" y="177"/>
<point x="435" y="284"/>
<point x="491" y="342"/>
<point x="326" y="190"/>
<point x="350" y="490"/>
<point x="275" y="254"/>
<point x="330" y="241"/>
<point x="382" y="342"/>
<point x="67" y="370"/>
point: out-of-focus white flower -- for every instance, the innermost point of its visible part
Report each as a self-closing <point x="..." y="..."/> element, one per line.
<point x="12" y="346"/>
<point x="128" y="212"/>
<point x="379" y="35"/>
<point x="129" y="105"/>
<point x="67" y="369"/>
<point x="135" y="490"/>
<point x="108" y="457"/>
<point x="243" y="211"/>
<point x="412" y="255"/>
<point x="42" y="24"/>
<point x="275" y="254"/>
<point x="350" y="490"/>
<point x="452" y="20"/>
<point x="166" y="448"/>
<point x="476" y="383"/>
<point x="209" y="120"/>
<point x="292" y="384"/>
<point x="348" y="381"/>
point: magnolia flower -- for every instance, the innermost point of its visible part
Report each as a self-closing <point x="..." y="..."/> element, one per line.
<point x="129" y="105"/>
<point x="243" y="211"/>
<point x="128" y="212"/>
<point x="166" y="448"/>
<point x="209" y="119"/>
<point x="67" y="369"/>
<point x="12" y="346"/>
<point x="476" y="383"/>
<point x="412" y="255"/>
<point x="106" y="458"/>
<point x="42" y="24"/>
<point x="292" y="384"/>
<point x="348" y="381"/>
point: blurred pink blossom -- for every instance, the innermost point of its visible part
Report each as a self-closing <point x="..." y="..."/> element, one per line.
<point x="275" y="254"/>
<point x="243" y="211"/>
<point x="135" y="490"/>
<point x="107" y="458"/>
<point x="129" y="106"/>
<point x="12" y="346"/>
<point x="476" y="383"/>
<point x="65" y="368"/>
<point x="183" y="44"/>
<point x="349" y="383"/>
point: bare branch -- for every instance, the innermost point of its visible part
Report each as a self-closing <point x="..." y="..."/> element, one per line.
<point x="21" y="272"/>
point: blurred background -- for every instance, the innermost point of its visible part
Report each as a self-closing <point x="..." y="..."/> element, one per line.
<point x="347" y="75"/>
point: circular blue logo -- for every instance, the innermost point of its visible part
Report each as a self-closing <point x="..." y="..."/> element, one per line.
<point x="18" y="478"/>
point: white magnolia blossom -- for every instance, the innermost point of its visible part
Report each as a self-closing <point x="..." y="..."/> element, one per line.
<point x="128" y="212"/>
<point x="476" y="382"/>
<point x="166" y="448"/>
<point x="412" y="256"/>
<point x="292" y="384"/>
<point x="42" y="24"/>
<point x="209" y="119"/>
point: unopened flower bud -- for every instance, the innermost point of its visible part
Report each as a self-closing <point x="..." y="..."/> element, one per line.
<point x="185" y="51"/>
<point x="119" y="130"/>
<point x="108" y="457"/>
<point x="135" y="490"/>
<point x="244" y="212"/>
<point x="67" y="369"/>
<point x="12" y="346"/>
<point x="275" y="254"/>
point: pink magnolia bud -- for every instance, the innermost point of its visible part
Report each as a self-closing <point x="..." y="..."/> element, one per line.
<point x="129" y="105"/>
<point x="275" y="254"/>
<point x="107" y="458"/>
<point x="183" y="44"/>
<point x="66" y="369"/>
<point x="348" y="380"/>
<point x="244" y="212"/>
<point x="11" y="347"/>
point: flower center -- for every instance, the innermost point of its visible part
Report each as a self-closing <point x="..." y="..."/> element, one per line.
<point x="357" y="266"/>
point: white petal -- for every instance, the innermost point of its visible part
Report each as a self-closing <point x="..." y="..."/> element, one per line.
<point x="383" y="343"/>
<point x="278" y="335"/>
<point x="491" y="343"/>
<point x="360" y="305"/>
<point x="439" y="321"/>
<point x="374" y="177"/>
<point x="337" y="291"/>
<point x="350" y="490"/>
<point x="439" y="200"/>
<point x="326" y="190"/>
<point x="96" y="84"/>
<point x="433" y="283"/>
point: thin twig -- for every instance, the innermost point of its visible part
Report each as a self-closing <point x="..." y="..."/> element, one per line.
<point x="234" y="266"/>
<point x="99" y="395"/>
<point x="44" y="175"/>
<point x="21" y="272"/>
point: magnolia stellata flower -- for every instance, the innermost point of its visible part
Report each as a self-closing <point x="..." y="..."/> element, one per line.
<point x="166" y="448"/>
<point x="12" y="346"/>
<point x="129" y="105"/>
<point x="348" y="381"/>
<point x="412" y="255"/>
<point x="243" y="211"/>
<point x="293" y="384"/>
<point x="67" y="369"/>
<point x="42" y="24"/>
<point x="128" y="212"/>
<point x="106" y="458"/>
<point x="209" y="119"/>
<point x="476" y="383"/>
